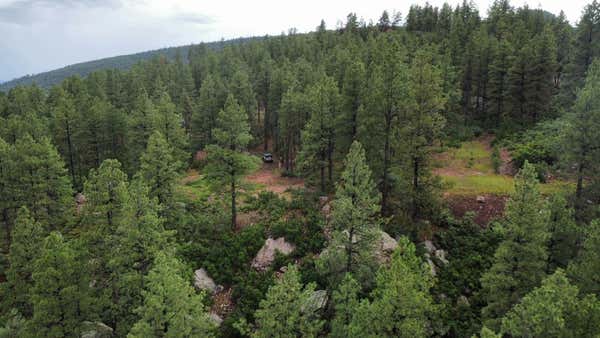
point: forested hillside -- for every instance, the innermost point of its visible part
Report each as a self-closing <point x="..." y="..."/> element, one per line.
<point x="121" y="62"/>
<point x="433" y="175"/>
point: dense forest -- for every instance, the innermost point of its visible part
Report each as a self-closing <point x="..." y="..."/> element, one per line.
<point x="129" y="202"/>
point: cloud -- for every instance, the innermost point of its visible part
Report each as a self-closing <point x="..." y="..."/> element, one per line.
<point x="194" y="18"/>
<point x="24" y="12"/>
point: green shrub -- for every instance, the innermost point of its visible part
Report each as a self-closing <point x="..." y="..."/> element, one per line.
<point x="496" y="160"/>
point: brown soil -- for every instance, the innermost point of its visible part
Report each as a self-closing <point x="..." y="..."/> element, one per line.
<point x="269" y="177"/>
<point x="222" y="303"/>
<point x="492" y="208"/>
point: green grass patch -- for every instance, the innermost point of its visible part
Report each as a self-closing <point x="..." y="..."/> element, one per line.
<point x="196" y="189"/>
<point x="495" y="184"/>
<point x="472" y="155"/>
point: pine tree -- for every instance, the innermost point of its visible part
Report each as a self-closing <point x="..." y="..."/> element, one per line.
<point x="285" y="311"/>
<point x="169" y="123"/>
<point x="520" y="260"/>
<point x="60" y="293"/>
<point x="354" y="222"/>
<point x="204" y="119"/>
<point x="42" y="183"/>
<point x="159" y="169"/>
<point x="139" y="129"/>
<point x="552" y="310"/>
<point x="65" y="124"/>
<point x="423" y="126"/>
<point x="401" y="305"/>
<point x="171" y="308"/>
<point x="291" y="119"/>
<point x="318" y="136"/>
<point x="584" y="269"/>
<point x="226" y="163"/>
<point x="346" y="302"/>
<point x="138" y="238"/>
<point x="582" y="141"/>
<point x="498" y="81"/>
<point x="386" y="99"/>
<point x="25" y="248"/>
<point x="565" y="234"/>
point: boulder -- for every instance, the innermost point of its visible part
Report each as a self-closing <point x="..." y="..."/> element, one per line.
<point x="441" y="256"/>
<point x="323" y="200"/>
<point x="316" y="301"/>
<point x="203" y="282"/>
<point x="388" y="244"/>
<point x="429" y="246"/>
<point x="215" y="318"/>
<point x="80" y="201"/>
<point x="480" y="199"/>
<point x="96" y="330"/>
<point x="432" y="266"/>
<point x="266" y="254"/>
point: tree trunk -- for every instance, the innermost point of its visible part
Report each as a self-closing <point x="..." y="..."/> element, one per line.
<point x="233" y="209"/>
<point x="415" y="214"/>
<point x="386" y="165"/>
<point x="579" y="190"/>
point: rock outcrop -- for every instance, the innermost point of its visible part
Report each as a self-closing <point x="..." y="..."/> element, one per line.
<point x="266" y="254"/>
<point x="203" y="281"/>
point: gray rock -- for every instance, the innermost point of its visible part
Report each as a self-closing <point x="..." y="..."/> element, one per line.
<point x="441" y="256"/>
<point x="203" y="282"/>
<point x="266" y="254"/>
<point x="96" y="330"/>
<point x="429" y="246"/>
<point x="215" y="318"/>
<point x="315" y="302"/>
<point x="480" y="199"/>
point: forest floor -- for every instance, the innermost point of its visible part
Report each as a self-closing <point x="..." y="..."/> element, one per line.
<point x="269" y="178"/>
<point x="470" y="183"/>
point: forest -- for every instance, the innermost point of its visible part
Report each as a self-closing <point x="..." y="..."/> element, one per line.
<point x="435" y="173"/>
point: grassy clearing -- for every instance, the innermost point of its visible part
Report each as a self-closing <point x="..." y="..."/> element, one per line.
<point x="468" y="170"/>
<point x="494" y="184"/>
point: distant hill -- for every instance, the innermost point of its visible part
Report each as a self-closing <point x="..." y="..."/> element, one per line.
<point x="50" y="78"/>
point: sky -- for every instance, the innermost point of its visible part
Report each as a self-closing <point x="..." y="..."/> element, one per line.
<point x="41" y="35"/>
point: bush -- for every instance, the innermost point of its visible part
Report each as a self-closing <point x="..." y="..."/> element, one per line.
<point x="496" y="159"/>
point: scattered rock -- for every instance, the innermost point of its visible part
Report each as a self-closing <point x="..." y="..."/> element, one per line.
<point x="96" y="330"/>
<point x="323" y="200"/>
<point x="80" y="201"/>
<point x="429" y="246"/>
<point x="326" y="210"/>
<point x="462" y="300"/>
<point x="315" y="302"/>
<point x="203" y="282"/>
<point x="480" y="199"/>
<point x="431" y="266"/>
<point x="441" y="256"/>
<point x="215" y="318"/>
<point x="266" y="254"/>
<point x="388" y="244"/>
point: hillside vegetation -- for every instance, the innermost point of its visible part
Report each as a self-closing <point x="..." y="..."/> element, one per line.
<point x="432" y="175"/>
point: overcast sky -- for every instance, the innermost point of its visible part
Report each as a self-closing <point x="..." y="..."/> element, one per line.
<point x="41" y="35"/>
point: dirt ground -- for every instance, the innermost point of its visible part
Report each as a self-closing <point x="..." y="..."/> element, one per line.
<point x="490" y="209"/>
<point x="270" y="179"/>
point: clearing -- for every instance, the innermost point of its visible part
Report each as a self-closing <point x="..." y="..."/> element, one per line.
<point x="470" y="183"/>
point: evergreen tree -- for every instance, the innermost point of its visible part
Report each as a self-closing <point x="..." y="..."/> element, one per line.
<point x="552" y="310"/>
<point x="169" y="123"/>
<point x="60" y="293"/>
<point x="582" y="141"/>
<point x="25" y="248"/>
<point x="227" y="164"/>
<point x="285" y="311"/>
<point x="584" y="269"/>
<point x="423" y="127"/>
<point x="346" y="302"/>
<point x="139" y="129"/>
<point x="520" y="260"/>
<point x="318" y="136"/>
<point x="171" y="308"/>
<point x="159" y="169"/>
<point x="353" y="219"/>
<point x="565" y="234"/>
<point x="498" y="81"/>
<point x="204" y="119"/>
<point x="137" y="240"/>
<point x="401" y="305"/>
<point x="387" y="92"/>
